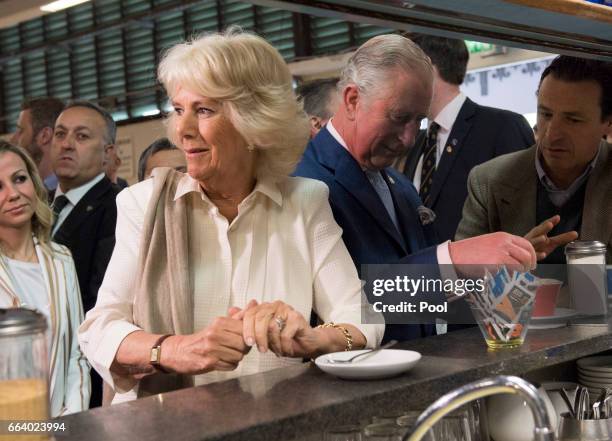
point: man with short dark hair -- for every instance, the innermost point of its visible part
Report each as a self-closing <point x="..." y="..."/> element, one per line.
<point x="560" y="188"/>
<point x="461" y="135"/>
<point x="320" y="99"/>
<point x="34" y="133"/>
<point x="84" y="201"/>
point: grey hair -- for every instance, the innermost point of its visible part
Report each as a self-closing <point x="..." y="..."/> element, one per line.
<point x="373" y="62"/>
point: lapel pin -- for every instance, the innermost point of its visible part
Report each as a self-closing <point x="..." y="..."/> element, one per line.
<point x="89" y="208"/>
<point x="391" y="180"/>
<point x="449" y="149"/>
<point x="454" y="141"/>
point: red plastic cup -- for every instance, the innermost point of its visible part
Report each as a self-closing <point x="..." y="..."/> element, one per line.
<point x="546" y="298"/>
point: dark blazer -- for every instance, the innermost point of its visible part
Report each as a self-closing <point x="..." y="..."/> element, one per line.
<point x="368" y="231"/>
<point x="122" y="183"/>
<point x="89" y="234"/>
<point x="479" y="134"/>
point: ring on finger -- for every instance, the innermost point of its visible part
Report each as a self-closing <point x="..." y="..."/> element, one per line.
<point x="280" y="322"/>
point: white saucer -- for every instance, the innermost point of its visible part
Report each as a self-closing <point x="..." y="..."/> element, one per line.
<point x="594" y="381"/>
<point x="548" y="325"/>
<point x="383" y="364"/>
<point x="595" y="375"/>
<point x="600" y="363"/>
<point x="560" y="314"/>
<point x="558" y="320"/>
<point x="594" y="385"/>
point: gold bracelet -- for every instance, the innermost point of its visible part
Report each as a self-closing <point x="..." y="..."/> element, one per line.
<point x="345" y="332"/>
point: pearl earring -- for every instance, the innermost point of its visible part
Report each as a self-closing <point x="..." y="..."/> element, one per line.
<point x="251" y="148"/>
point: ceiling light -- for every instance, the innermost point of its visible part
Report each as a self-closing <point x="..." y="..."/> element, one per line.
<point x="61" y="4"/>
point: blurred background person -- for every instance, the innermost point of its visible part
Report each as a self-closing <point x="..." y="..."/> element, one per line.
<point x="321" y="99"/>
<point x="35" y="133"/>
<point x="111" y="167"/>
<point x="223" y="275"/>
<point x="461" y="134"/>
<point x="161" y="153"/>
<point x="39" y="274"/>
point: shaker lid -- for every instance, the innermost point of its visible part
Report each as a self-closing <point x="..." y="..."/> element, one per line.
<point x="585" y="247"/>
<point x="19" y="321"/>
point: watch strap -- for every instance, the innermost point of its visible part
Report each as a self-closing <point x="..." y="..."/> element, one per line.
<point x="155" y="355"/>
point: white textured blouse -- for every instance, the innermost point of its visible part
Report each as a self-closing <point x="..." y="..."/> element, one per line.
<point x="283" y="245"/>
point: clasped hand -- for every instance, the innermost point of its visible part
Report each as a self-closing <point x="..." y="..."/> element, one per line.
<point x="223" y="344"/>
<point x="278" y="327"/>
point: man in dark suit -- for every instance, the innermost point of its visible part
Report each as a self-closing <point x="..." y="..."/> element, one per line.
<point x="84" y="202"/>
<point x="111" y="167"/>
<point x="385" y="91"/>
<point x="461" y="135"/>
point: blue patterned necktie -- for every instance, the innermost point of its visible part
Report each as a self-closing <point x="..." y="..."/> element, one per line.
<point x="429" y="162"/>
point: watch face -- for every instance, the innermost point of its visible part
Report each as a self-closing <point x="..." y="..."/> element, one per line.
<point x="155" y="354"/>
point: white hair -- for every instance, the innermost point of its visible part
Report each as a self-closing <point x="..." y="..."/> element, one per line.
<point x="375" y="60"/>
<point x="252" y="81"/>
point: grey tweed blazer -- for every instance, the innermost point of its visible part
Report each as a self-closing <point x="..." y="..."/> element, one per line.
<point x="502" y="197"/>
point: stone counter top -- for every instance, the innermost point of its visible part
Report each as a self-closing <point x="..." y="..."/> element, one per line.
<point x="287" y="403"/>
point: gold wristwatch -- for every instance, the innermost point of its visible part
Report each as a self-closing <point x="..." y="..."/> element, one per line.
<point x="155" y="356"/>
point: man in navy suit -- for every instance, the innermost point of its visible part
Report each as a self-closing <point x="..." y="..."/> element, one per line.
<point x="385" y="91"/>
<point x="468" y="134"/>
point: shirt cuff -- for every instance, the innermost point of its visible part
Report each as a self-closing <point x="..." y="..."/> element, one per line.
<point x="372" y="333"/>
<point x="447" y="268"/>
<point x="105" y="355"/>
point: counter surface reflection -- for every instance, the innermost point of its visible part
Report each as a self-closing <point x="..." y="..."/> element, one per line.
<point x="297" y="402"/>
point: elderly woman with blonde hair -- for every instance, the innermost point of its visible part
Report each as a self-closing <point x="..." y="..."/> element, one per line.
<point x="215" y="272"/>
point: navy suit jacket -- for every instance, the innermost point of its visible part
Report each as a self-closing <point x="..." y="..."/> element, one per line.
<point x="89" y="234"/>
<point x="368" y="231"/>
<point x="479" y="134"/>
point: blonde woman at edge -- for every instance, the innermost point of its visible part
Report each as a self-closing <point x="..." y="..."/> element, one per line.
<point x="216" y="272"/>
<point x="39" y="274"/>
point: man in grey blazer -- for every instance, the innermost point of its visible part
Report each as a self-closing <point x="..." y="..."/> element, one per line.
<point x="561" y="188"/>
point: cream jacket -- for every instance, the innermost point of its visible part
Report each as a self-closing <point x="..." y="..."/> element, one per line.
<point x="283" y="245"/>
<point x="69" y="370"/>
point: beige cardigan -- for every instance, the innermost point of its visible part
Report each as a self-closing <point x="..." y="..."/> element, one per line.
<point x="162" y="304"/>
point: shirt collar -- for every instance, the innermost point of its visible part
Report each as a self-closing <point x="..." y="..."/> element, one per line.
<point x="447" y="116"/>
<point x="265" y="186"/>
<point x="334" y="133"/>
<point x="76" y="194"/>
<point x="549" y="184"/>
